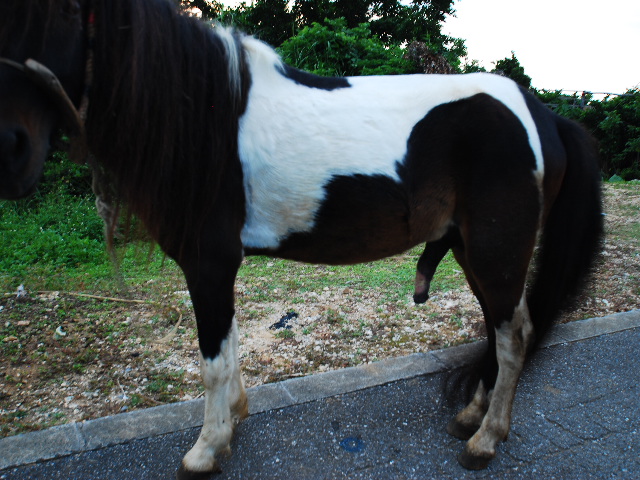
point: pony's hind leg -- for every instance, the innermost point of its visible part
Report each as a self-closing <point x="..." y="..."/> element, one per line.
<point x="513" y="338"/>
<point x="496" y="267"/>
<point x="468" y="421"/>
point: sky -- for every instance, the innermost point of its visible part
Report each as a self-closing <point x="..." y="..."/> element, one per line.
<point x="562" y="44"/>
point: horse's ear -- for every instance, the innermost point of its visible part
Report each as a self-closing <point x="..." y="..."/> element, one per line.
<point x="47" y="80"/>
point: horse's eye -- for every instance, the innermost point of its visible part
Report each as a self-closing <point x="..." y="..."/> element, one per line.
<point x="71" y="8"/>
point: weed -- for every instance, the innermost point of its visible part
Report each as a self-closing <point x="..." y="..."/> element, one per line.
<point x="285" y="333"/>
<point x="333" y="317"/>
<point x="78" y="368"/>
<point x="457" y="321"/>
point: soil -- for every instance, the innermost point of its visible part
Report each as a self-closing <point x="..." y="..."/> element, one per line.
<point x="70" y="357"/>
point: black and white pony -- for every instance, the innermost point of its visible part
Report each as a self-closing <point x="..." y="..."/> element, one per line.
<point x="224" y="151"/>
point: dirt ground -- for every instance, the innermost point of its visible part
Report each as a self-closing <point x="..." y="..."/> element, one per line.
<point x="68" y="357"/>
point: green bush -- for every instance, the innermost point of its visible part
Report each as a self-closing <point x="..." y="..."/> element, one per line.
<point x="613" y="121"/>
<point x="333" y="49"/>
<point x="61" y="175"/>
<point x="56" y="230"/>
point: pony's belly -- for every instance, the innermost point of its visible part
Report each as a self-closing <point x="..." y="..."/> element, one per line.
<point x="364" y="218"/>
<point x="340" y="246"/>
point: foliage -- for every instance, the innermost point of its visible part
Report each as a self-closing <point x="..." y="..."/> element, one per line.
<point x="332" y="48"/>
<point x="269" y="20"/>
<point x="208" y="8"/>
<point x="473" y="67"/>
<point x="433" y="58"/>
<point x="613" y="121"/>
<point x="391" y="21"/>
<point x="354" y="12"/>
<point x="511" y="68"/>
<point x="57" y="231"/>
<point x="61" y="175"/>
<point x="56" y="228"/>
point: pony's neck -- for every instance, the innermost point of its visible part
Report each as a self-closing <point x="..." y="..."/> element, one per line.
<point x="163" y="116"/>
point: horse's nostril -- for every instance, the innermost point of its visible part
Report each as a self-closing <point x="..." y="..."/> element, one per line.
<point x="14" y="148"/>
<point x="8" y="141"/>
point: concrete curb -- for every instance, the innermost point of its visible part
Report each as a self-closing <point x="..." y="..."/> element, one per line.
<point x="73" y="438"/>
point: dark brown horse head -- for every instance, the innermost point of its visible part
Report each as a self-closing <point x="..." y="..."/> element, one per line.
<point x="42" y="57"/>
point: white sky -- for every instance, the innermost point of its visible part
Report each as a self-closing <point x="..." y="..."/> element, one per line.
<point x="562" y="44"/>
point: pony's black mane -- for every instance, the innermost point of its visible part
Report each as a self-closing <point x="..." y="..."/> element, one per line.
<point x="165" y="111"/>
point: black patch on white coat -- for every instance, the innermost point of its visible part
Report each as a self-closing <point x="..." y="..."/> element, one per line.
<point x="313" y="81"/>
<point x="452" y="154"/>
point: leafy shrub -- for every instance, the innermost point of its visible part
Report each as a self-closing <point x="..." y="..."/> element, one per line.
<point x="58" y="230"/>
<point x="61" y="175"/>
<point x="613" y="121"/>
<point x="333" y="49"/>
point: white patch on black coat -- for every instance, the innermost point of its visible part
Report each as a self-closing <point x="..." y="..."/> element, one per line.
<point x="224" y="391"/>
<point x="512" y="341"/>
<point x="293" y="138"/>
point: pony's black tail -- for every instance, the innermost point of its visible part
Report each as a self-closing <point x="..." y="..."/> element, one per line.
<point x="572" y="234"/>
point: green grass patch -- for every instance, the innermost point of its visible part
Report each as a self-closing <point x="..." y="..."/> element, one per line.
<point x="394" y="276"/>
<point x="56" y="243"/>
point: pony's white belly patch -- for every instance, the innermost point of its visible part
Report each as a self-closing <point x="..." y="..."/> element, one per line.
<point x="294" y="139"/>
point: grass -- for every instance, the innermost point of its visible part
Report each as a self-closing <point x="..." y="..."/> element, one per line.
<point x="57" y="244"/>
<point x="265" y="276"/>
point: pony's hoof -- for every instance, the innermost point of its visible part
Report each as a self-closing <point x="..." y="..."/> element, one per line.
<point x="474" y="462"/>
<point x="419" y="298"/>
<point x="184" y="474"/>
<point x="460" y="430"/>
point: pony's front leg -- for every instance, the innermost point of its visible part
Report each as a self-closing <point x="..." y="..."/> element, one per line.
<point x="225" y="406"/>
<point x="225" y="397"/>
